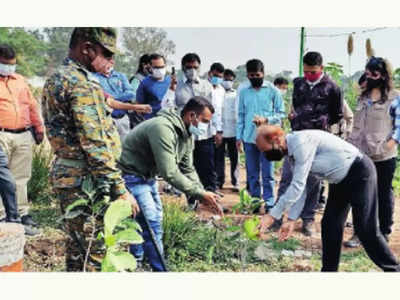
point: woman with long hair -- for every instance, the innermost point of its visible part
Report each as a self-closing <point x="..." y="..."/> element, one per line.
<point x="376" y="133"/>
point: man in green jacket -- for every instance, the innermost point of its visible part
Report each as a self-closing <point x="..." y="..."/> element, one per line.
<point x="164" y="146"/>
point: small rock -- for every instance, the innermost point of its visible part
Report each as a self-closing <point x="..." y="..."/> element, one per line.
<point x="264" y="253"/>
<point x="287" y="252"/>
<point x="307" y="254"/>
<point x="299" y="253"/>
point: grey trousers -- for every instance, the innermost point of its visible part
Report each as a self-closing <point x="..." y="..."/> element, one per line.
<point x="312" y="187"/>
<point x="8" y="190"/>
<point x="122" y="127"/>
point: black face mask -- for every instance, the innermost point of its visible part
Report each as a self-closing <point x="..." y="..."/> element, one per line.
<point x="256" y="82"/>
<point x="374" y="83"/>
<point x="274" y="154"/>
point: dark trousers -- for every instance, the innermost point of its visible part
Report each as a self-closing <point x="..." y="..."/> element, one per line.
<point x="8" y="190"/>
<point x="220" y="151"/>
<point x="204" y="163"/>
<point x="385" y="172"/>
<point x="313" y="187"/>
<point x="357" y="190"/>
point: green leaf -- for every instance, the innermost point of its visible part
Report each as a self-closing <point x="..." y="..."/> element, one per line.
<point x="110" y="240"/>
<point x="250" y="228"/>
<point x="130" y="224"/>
<point x="88" y="187"/>
<point x="73" y="214"/>
<point x="100" y="236"/>
<point x="79" y="202"/>
<point x="128" y="236"/>
<point x="210" y="253"/>
<point x="116" y="212"/>
<point x="122" y="261"/>
<point x="106" y="264"/>
<point x="233" y="228"/>
<point x="98" y="206"/>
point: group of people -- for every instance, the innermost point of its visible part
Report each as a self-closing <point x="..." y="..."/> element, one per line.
<point x="124" y="134"/>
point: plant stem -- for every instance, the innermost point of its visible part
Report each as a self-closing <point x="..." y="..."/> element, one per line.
<point x="93" y="221"/>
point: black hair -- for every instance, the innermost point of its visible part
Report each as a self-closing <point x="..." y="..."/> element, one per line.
<point x="312" y="58"/>
<point x="217" y="67"/>
<point x="155" y="56"/>
<point x="229" y="72"/>
<point x="362" y="79"/>
<point x="6" y="51"/>
<point x="280" y="81"/>
<point x="255" y="65"/>
<point x="190" y="57"/>
<point x="378" y="64"/>
<point x="197" y="104"/>
<point x="143" y="60"/>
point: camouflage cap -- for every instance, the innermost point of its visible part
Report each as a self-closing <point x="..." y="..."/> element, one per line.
<point x="105" y="36"/>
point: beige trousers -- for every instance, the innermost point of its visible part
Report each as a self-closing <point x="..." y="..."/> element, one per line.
<point x="18" y="148"/>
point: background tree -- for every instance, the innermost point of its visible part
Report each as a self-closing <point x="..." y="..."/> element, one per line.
<point x="137" y="41"/>
<point x="57" y="39"/>
<point x="29" y="47"/>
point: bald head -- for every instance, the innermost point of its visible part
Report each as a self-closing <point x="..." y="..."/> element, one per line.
<point x="268" y="135"/>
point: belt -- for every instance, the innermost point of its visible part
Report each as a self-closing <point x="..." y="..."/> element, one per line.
<point x="73" y="163"/>
<point x="21" y="130"/>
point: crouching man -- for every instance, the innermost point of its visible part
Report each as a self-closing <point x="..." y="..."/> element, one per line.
<point x="352" y="179"/>
<point x="164" y="146"/>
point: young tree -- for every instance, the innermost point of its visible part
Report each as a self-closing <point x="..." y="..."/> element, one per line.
<point x="137" y="41"/>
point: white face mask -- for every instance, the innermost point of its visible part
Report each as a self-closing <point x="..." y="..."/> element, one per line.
<point x="200" y="130"/>
<point x="227" y="84"/>
<point x="283" y="92"/>
<point x="159" y="73"/>
<point x="192" y="74"/>
<point x="7" y="70"/>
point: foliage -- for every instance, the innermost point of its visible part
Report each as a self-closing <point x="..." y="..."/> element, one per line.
<point x="246" y="204"/>
<point x="137" y="41"/>
<point x="39" y="189"/>
<point x="117" y="231"/>
<point x="335" y="71"/>
<point x="29" y="47"/>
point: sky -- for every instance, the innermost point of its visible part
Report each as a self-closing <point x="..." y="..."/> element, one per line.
<point x="279" y="48"/>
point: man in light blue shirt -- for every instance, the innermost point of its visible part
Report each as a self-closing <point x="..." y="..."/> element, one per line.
<point x="261" y="99"/>
<point x="353" y="183"/>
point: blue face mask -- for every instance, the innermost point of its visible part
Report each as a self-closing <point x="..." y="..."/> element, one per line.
<point x="7" y="70"/>
<point x="215" y="80"/>
<point x="200" y="130"/>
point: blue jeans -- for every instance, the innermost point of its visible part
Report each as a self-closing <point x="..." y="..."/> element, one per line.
<point x="255" y="161"/>
<point x="8" y="190"/>
<point x="148" y="198"/>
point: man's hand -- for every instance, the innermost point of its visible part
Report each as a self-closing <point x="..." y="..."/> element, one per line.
<point x="143" y="108"/>
<point x="39" y="137"/>
<point x="239" y="146"/>
<point x="135" y="207"/>
<point x="266" y="221"/>
<point x="218" y="139"/>
<point x="210" y="199"/>
<point x="286" y="230"/>
<point x="260" y="120"/>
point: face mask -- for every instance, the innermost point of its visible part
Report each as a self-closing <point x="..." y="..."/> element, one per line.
<point x="283" y="92"/>
<point x="256" y="82"/>
<point x="7" y="70"/>
<point x="374" y="83"/>
<point x="312" y="76"/>
<point x="100" y="64"/>
<point x="159" y="73"/>
<point x="200" y="130"/>
<point x="274" y="154"/>
<point x="192" y="74"/>
<point x="227" y="84"/>
<point x="215" y="80"/>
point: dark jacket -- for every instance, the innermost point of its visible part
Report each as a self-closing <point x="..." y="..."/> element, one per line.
<point x="316" y="108"/>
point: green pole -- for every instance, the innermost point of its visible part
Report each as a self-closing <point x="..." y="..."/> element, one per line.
<point x="302" y="37"/>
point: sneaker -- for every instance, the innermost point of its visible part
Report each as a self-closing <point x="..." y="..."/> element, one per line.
<point x="354" y="242"/>
<point x="275" y="226"/>
<point x="307" y="228"/>
<point x="31" y="231"/>
<point x="27" y="220"/>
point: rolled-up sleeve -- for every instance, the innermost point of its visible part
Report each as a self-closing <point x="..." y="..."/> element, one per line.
<point x="303" y="157"/>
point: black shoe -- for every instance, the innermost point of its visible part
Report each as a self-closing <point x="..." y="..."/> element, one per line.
<point x="275" y="226"/>
<point x="307" y="228"/>
<point x="31" y="231"/>
<point x="27" y="220"/>
<point x="354" y="242"/>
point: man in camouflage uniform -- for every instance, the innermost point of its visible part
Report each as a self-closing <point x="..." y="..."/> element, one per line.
<point x="81" y="132"/>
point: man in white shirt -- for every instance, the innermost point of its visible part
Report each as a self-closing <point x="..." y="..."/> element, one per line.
<point x="229" y="120"/>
